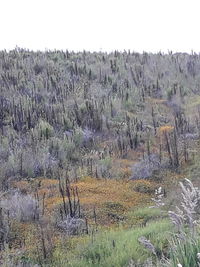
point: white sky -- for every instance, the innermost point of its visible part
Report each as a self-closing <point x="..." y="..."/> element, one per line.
<point x="138" y="25"/>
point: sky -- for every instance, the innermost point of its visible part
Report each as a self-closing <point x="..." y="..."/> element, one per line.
<point x="101" y="25"/>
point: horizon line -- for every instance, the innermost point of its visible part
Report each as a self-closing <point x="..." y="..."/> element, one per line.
<point x="101" y="50"/>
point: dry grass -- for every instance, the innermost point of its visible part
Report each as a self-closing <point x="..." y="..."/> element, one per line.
<point x="93" y="193"/>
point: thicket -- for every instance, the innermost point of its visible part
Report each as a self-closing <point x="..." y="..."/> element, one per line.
<point x="57" y="108"/>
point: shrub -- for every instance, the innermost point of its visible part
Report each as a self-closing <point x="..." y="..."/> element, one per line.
<point x="105" y="167"/>
<point x="146" y="167"/>
<point x="21" y="207"/>
<point x="43" y="129"/>
<point x="144" y="188"/>
<point x="73" y="226"/>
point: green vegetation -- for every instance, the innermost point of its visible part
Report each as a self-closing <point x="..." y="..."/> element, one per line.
<point x="88" y="141"/>
<point x="186" y="252"/>
<point x="117" y="248"/>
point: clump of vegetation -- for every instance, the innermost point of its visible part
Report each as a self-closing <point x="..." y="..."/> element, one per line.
<point x="147" y="167"/>
<point x="21" y="207"/>
<point x="184" y="241"/>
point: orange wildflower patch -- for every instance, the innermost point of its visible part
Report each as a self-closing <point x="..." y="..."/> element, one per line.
<point x="98" y="191"/>
<point x="166" y="129"/>
<point x="103" y="194"/>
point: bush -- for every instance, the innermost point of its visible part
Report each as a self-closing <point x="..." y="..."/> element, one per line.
<point x="73" y="226"/>
<point x="105" y="167"/>
<point x="144" y="188"/>
<point x="21" y="207"/>
<point x="147" y="167"/>
<point x="43" y="129"/>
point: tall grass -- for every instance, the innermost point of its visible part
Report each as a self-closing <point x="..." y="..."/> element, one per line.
<point x="185" y="252"/>
<point x="117" y="248"/>
<point x="185" y="244"/>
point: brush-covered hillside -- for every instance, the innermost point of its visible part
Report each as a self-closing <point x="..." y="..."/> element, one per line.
<point x="86" y="141"/>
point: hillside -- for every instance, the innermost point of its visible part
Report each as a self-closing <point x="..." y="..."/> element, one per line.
<point x="85" y="140"/>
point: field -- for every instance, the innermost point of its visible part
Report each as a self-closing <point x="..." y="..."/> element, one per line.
<point x="90" y="141"/>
